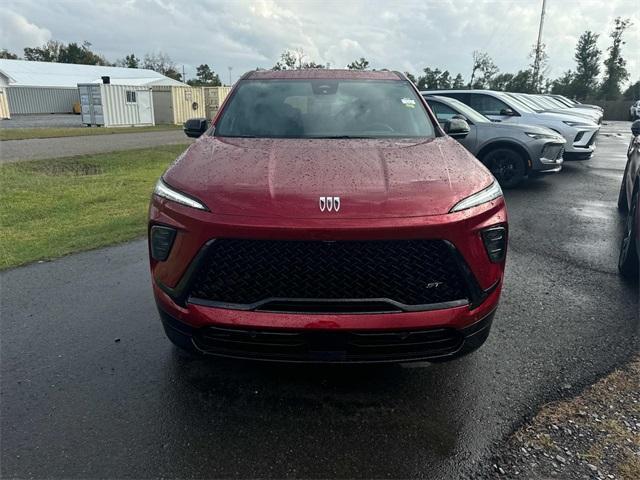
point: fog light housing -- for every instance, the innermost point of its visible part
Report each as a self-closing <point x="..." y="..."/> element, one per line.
<point x="161" y="240"/>
<point x="495" y="242"/>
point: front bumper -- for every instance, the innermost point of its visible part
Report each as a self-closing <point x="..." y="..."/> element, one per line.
<point x="550" y="158"/>
<point x="329" y="346"/>
<point x="191" y="320"/>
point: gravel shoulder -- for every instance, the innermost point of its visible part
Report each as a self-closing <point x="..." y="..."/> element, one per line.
<point x="42" y="148"/>
<point x="594" y="435"/>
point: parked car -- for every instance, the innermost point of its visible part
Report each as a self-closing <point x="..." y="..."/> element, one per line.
<point x="634" y="110"/>
<point x="574" y="103"/>
<point x="629" y="203"/>
<point x="325" y="216"/>
<point x="510" y="151"/>
<point x="550" y="104"/>
<point x="579" y="133"/>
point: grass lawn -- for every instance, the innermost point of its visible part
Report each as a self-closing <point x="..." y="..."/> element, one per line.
<point x="27" y="133"/>
<point x="49" y="208"/>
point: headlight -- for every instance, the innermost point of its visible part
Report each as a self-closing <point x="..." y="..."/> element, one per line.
<point x="575" y="124"/>
<point x="492" y="192"/>
<point x="165" y="191"/>
<point x="539" y="136"/>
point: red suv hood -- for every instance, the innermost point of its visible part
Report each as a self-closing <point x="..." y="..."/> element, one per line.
<point x="286" y="177"/>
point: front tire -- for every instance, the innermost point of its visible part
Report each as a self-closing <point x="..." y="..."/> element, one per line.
<point x="507" y="165"/>
<point x="628" y="260"/>
<point x="622" y="197"/>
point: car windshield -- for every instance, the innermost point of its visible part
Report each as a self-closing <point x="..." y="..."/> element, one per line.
<point x="325" y="109"/>
<point x="465" y="110"/>
<point x="562" y="100"/>
<point x="515" y="100"/>
<point x="529" y="103"/>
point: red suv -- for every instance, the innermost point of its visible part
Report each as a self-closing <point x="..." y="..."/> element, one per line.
<point x="325" y="216"/>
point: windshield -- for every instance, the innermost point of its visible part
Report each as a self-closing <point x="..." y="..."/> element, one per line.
<point x="518" y="103"/>
<point x="465" y="110"/>
<point x="325" y="109"/>
<point x="562" y="100"/>
<point x="529" y="103"/>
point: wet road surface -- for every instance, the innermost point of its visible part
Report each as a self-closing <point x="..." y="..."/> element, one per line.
<point x="91" y="388"/>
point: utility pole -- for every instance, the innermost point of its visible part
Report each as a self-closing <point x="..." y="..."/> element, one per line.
<point x="538" y="59"/>
<point x="230" y="68"/>
<point x="183" y="78"/>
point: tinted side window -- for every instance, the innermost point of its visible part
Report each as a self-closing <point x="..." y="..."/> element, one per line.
<point x="486" y="104"/>
<point x="463" y="97"/>
<point x="443" y="112"/>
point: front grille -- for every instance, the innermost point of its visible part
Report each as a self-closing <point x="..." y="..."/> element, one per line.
<point x="553" y="152"/>
<point x="317" y="276"/>
<point x="327" y="346"/>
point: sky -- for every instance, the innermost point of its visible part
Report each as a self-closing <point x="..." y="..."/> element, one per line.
<point x="399" y="35"/>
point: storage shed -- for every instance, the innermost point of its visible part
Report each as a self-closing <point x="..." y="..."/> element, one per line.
<point x="45" y="87"/>
<point x="4" y="104"/>
<point x="114" y="105"/>
<point x="177" y="104"/>
<point x="213" y="98"/>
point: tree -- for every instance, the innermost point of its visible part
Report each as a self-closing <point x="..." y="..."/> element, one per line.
<point x="54" y="51"/>
<point x="130" y="61"/>
<point x="484" y="67"/>
<point x="564" y="85"/>
<point x="633" y="92"/>
<point x="295" y="60"/>
<point x="458" y="82"/>
<point x="615" y="66"/>
<point x="6" y="54"/>
<point x="161" y="62"/>
<point x="434" y="79"/>
<point x="205" y="77"/>
<point x="523" y="82"/>
<point x="587" y="58"/>
<point x="49" y="52"/>
<point x="500" y="81"/>
<point x="361" y="64"/>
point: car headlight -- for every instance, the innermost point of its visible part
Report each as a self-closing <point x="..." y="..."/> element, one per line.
<point x="539" y="136"/>
<point x="575" y="124"/>
<point x="165" y="191"/>
<point x="492" y="192"/>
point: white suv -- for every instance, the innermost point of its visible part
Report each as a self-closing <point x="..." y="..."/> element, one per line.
<point x="634" y="110"/>
<point x="579" y="132"/>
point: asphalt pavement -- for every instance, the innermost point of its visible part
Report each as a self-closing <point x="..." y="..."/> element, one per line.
<point x="90" y="387"/>
<point x="39" y="148"/>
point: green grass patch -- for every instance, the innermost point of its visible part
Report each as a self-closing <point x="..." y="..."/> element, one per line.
<point x="28" y="133"/>
<point x="50" y="208"/>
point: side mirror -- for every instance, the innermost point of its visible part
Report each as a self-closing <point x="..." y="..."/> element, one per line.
<point x="457" y="128"/>
<point x="195" y="127"/>
<point x="460" y="117"/>
<point x="507" y="112"/>
<point x="635" y="128"/>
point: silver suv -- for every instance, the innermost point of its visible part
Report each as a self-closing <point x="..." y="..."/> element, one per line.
<point x="510" y="151"/>
<point x="579" y="132"/>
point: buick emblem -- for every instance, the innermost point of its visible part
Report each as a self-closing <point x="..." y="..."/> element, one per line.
<point x="329" y="204"/>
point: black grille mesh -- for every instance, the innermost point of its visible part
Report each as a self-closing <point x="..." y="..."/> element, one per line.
<point x="411" y="272"/>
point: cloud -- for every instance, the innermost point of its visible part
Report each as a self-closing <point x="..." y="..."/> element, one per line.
<point x="18" y="32"/>
<point x="407" y="35"/>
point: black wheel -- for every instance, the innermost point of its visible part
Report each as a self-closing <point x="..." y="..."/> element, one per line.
<point x="628" y="261"/>
<point x="622" y="197"/>
<point x="507" y="165"/>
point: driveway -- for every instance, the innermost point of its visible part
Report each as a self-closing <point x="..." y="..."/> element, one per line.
<point x="38" y="148"/>
<point x="91" y="388"/>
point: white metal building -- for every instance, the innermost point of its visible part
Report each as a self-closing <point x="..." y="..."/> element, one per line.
<point x="116" y="105"/>
<point x="43" y="87"/>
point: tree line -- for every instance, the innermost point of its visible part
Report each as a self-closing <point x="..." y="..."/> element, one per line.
<point x="59" y="52"/>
